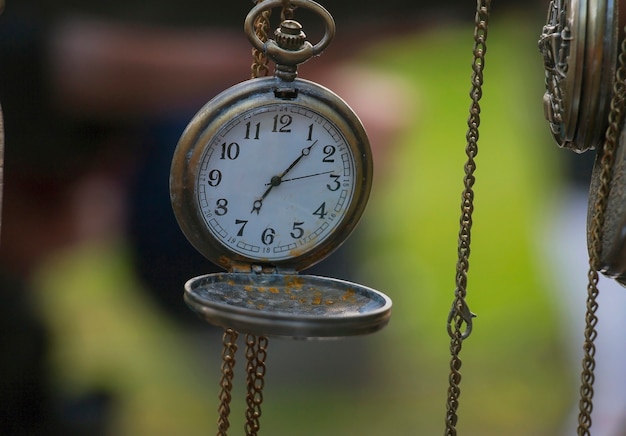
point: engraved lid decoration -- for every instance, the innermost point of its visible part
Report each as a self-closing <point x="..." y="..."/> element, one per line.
<point x="579" y="48"/>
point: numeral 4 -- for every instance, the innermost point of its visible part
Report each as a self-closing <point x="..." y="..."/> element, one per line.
<point x="321" y="211"/>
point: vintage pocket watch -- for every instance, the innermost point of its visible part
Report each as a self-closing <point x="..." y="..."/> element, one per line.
<point x="579" y="44"/>
<point x="585" y="101"/>
<point x="271" y="174"/>
<point x="270" y="177"/>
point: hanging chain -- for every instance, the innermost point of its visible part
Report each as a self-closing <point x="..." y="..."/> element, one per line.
<point x="262" y="27"/>
<point x="256" y="353"/>
<point x="607" y="159"/>
<point x="226" y="381"/>
<point x="259" y="60"/>
<point x="460" y="317"/>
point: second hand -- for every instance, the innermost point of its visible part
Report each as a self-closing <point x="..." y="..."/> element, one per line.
<point x="302" y="177"/>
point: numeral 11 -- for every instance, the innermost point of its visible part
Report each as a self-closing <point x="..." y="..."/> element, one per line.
<point x="257" y="128"/>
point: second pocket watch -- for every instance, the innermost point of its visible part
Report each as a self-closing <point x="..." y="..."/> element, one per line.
<point x="579" y="48"/>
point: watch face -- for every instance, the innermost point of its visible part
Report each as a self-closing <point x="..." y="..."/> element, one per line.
<point x="272" y="181"/>
<point x="275" y="181"/>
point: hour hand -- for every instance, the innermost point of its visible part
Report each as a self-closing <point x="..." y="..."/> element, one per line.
<point x="256" y="206"/>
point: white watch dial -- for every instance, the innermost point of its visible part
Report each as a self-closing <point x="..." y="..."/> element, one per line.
<point x="275" y="182"/>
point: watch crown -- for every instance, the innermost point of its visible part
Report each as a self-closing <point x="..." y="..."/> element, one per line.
<point x="289" y="35"/>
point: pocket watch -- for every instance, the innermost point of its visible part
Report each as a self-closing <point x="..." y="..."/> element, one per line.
<point x="579" y="48"/>
<point x="613" y="241"/>
<point x="268" y="178"/>
<point x="271" y="175"/>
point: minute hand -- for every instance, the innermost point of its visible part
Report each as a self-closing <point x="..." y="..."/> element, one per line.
<point x="305" y="152"/>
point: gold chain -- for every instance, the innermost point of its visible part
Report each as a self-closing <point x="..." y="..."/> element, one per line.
<point x="226" y="382"/>
<point x="460" y="317"/>
<point x="256" y="353"/>
<point x="259" y="60"/>
<point x="607" y="159"/>
<point x="262" y="26"/>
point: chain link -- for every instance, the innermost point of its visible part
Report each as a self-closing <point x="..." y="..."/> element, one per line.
<point x="607" y="159"/>
<point x="262" y="27"/>
<point x="288" y="10"/>
<point x="259" y="60"/>
<point x="460" y="317"/>
<point x="256" y="353"/>
<point x="226" y="381"/>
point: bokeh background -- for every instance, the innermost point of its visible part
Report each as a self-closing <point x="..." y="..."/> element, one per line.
<point x="96" y="338"/>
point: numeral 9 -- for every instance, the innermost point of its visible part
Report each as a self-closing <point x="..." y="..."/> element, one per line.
<point x="215" y="178"/>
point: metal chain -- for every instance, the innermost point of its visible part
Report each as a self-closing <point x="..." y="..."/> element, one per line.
<point x="460" y="317"/>
<point x="256" y="353"/>
<point x="287" y="11"/>
<point x="259" y="60"/>
<point x="226" y="381"/>
<point x="607" y="159"/>
<point x="262" y="27"/>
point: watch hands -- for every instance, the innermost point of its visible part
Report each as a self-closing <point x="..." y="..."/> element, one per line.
<point x="256" y="206"/>
<point x="303" y="177"/>
<point x="305" y="152"/>
<point x="277" y="180"/>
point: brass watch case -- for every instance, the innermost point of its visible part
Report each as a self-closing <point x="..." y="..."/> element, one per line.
<point x="219" y="111"/>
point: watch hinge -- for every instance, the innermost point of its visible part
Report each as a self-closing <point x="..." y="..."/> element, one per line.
<point x="260" y="269"/>
<point x="286" y="271"/>
<point x="287" y="93"/>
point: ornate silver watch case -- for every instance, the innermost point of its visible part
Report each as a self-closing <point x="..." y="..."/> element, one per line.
<point x="579" y="48"/>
